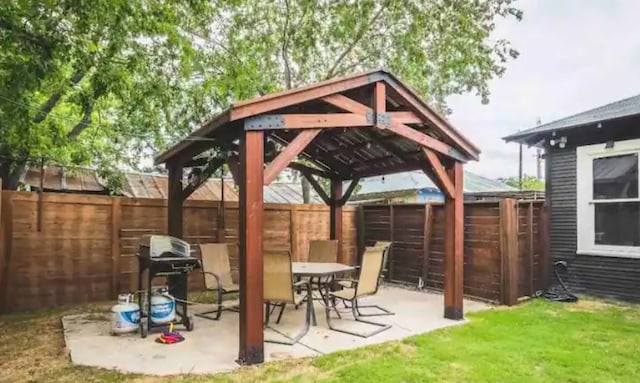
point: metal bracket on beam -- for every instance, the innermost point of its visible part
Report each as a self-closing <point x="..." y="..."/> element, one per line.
<point x="264" y="122"/>
<point x="382" y="120"/>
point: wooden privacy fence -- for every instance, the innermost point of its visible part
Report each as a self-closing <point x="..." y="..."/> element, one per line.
<point x="505" y="251"/>
<point x="67" y="249"/>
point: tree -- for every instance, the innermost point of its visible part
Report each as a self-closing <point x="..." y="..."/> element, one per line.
<point x="528" y="182"/>
<point x="440" y="47"/>
<point x="106" y="82"/>
<point x="97" y="82"/>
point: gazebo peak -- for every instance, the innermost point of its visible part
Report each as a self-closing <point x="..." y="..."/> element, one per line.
<point x="311" y="101"/>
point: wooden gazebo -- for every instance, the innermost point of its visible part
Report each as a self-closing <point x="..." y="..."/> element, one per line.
<point x="345" y="129"/>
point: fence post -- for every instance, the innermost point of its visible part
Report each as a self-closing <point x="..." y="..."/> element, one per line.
<point x="361" y="233"/>
<point x="293" y="233"/>
<point x="426" y="240"/>
<point x="5" y="250"/>
<point x="545" y="254"/>
<point x="509" y="250"/>
<point x="115" y="245"/>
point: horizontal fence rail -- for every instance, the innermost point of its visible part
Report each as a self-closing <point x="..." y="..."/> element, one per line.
<point x="505" y="252"/>
<point x="84" y="248"/>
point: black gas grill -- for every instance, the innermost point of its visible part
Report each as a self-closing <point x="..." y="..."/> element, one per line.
<point x="162" y="255"/>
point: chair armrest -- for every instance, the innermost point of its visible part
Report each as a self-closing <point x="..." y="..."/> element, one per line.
<point x="353" y="282"/>
<point x="301" y="284"/>
<point x="216" y="276"/>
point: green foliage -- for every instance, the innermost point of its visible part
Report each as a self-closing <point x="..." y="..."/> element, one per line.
<point x="107" y="82"/>
<point x="528" y="182"/>
<point x="97" y="82"/>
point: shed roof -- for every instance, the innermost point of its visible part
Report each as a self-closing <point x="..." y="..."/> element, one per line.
<point x="416" y="180"/>
<point x="346" y="152"/>
<point x="627" y="107"/>
<point x="145" y="185"/>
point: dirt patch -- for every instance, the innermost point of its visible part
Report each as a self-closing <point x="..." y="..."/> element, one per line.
<point x="590" y="305"/>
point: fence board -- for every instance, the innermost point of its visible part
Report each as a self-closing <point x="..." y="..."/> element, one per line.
<point x="419" y="250"/>
<point x="86" y="249"/>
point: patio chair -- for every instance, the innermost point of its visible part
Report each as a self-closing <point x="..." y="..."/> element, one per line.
<point x="217" y="275"/>
<point x="385" y="246"/>
<point x="279" y="290"/>
<point x="322" y="251"/>
<point x="366" y="285"/>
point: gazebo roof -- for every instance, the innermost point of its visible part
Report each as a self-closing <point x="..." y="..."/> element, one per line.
<point x="341" y="152"/>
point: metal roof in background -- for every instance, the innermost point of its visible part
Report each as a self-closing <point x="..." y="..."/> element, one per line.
<point x="619" y="109"/>
<point x="144" y="185"/>
<point x="416" y="180"/>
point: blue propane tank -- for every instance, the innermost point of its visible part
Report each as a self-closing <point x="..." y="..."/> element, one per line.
<point x="125" y="315"/>
<point x="163" y="306"/>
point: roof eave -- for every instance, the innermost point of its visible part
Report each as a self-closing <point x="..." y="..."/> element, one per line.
<point x="203" y="131"/>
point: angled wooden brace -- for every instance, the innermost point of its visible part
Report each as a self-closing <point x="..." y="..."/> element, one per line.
<point x="317" y="187"/>
<point x="292" y="150"/>
<point x="213" y="165"/>
<point x="349" y="191"/>
<point x="440" y="173"/>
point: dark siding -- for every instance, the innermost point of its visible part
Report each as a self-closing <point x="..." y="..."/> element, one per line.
<point x="611" y="277"/>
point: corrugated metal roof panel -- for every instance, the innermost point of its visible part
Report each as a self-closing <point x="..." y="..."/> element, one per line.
<point x="415" y="180"/>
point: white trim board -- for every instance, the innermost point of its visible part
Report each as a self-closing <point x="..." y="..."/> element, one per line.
<point x="585" y="204"/>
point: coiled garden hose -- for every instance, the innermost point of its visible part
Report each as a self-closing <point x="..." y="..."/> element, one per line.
<point x="561" y="293"/>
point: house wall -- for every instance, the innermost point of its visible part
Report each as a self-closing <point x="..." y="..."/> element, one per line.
<point x="605" y="276"/>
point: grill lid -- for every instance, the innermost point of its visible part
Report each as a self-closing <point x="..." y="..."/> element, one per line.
<point x="164" y="246"/>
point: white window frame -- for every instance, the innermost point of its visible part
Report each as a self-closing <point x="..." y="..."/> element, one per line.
<point x="586" y="203"/>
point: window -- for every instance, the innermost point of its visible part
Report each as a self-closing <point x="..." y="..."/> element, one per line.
<point x="608" y="200"/>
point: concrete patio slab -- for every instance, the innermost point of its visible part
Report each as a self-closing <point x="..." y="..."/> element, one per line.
<point x="212" y="346"/>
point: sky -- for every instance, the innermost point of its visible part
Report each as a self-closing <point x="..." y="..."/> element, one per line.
<point x="574" y="55"/>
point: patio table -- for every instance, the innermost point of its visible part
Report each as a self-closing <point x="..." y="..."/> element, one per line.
<point x="316" y="269"/>
<point x="320" y="270"/>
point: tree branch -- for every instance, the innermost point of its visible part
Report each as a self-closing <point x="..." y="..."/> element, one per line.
<point x="84" y="123"/>
<point x="48" y="106"/>
<point x="40" y="41"/>
<point x="285" y="43"/>
<point x="356" y="40"/>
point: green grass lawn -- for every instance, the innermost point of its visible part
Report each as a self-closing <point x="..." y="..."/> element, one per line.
<point x="536" y="342"/>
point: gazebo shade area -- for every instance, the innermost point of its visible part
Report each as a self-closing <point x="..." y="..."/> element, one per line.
<point x="343" y="130"/>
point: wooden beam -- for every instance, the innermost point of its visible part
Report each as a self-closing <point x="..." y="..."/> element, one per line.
<point x="440" y="172"/>
<point x="304" y="168"/>
<point x="174" y="203"/>
<point x="251" y="340"/>
<point x="317" y="187"/>
<point x="426" y="240"/>
<point x="350" y="190"/>
<point x="509" y="251"/>
<point x="345" y="103"/>
<point x="306" y="121"/>
<point x="380" y="98"/>
<point x="335" y="216"/>
<point x="405" y="117"/>
<point x="454" y="247"/>
<point x="296" y="96"/>
<point x="431" y="116"/>
<point x="405" y="131"/>
<point x="292" y="150"/>
<point x="213" y="165"/>
<point x="425" y="140"/>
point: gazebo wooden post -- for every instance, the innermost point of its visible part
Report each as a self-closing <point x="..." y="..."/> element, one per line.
<point x="251" y="346"/>
<point x="335" y="214"/>
<point x="174" y="203"/>
<point x="454" y="245"/>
